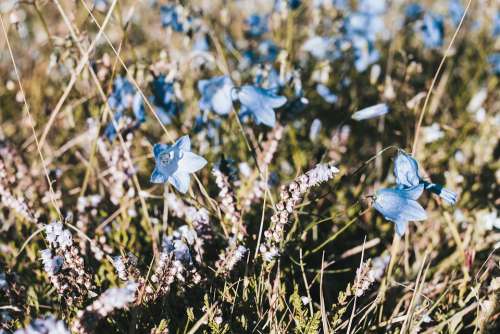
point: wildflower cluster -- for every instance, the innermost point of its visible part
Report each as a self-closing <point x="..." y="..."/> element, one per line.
<point x="189" y="146"/>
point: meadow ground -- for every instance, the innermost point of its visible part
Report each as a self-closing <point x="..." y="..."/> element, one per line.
<point x="314" y="166"/>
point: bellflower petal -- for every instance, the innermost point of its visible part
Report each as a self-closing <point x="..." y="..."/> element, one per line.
<point x="433" y="30"/>
<point x="326" y="94"/>
<point x="260" y="103"/>
<point x="175" y="162"/>
<point x="371" y="112"/>
<point x="191" y="162"/>
<point x="399" y="206"/>
<point x="183" y="143"/>
<point x="406" y="170"/>
<point x="216" y="94"/>
<point x="157" y="177"/>
<point x="180" y="180"/>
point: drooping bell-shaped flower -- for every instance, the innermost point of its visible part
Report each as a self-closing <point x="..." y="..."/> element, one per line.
<point x="175" y="162"/>
<point x="400" y="206"/>
<point x="216" y="94"/>
<point x="433" y="30"/>
<point x="407" y="175"/>
<point x="260" y="104"/>
<point x="371" y="112"/>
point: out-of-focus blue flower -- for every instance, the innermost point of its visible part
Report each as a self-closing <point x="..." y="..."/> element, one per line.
<point x="48" y="324"/>
<point x="170" y="17"/>
<point x="455" y="10"/>
<point x="138" y="108"/>
<point x="433" y="30"/>
<point x="318" y="46"/>
<point x="496" y="25"/>
<point x="408" y="176"/>
<point x="164" y="99"/>
<point x="372" y="7"/>
<point x="364" y="25"/>
<point x="101" y="5"/>
<point x="365" y="53"/>
<point x="314" y="129"/>
<point x="216" y="94"/>
<point x="294" y="4"/>
<point x="268" y="51"/>
<point x="413" y="11"/>
<point x="259" y="103"/>
<point x="326" y="94"/>
<point x="371" y="112"/>
<point x="257" y="25"/>
<point x="201" y="43"/>
<point x="494" y="60"/>
<point x="123" y="97"/>
<point x="175" y="162"/>
<point x="400" y="206"/>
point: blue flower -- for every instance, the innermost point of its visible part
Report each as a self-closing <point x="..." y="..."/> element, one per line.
<point x="319" y="47"/>
<point x="408" y="176"/>
<point x="268" y="51"/>
<point x="372" y="7"/>
<point x="164" y="99"/>
<point x="371" y="112"/>
<point x="259" y="103"/>
<point x="494" y="60"/>
<point x="175" y="162"/>
<point x="496" y="25"/>
<point x="365" y="53"/>
<point x="400" y="206"/>
<point x="326" y="94"/>
<point x="216" y="94"/>
<point x="201" y="43"/>
<point x="257" y="25"/>
<point x="455" y="10"/>
<point x="433" y="30"/>
<point x="413" y="11"/>
<point x="123" y="97"/>
<point x="169" y="15"/>
<point x="294" y="4"/>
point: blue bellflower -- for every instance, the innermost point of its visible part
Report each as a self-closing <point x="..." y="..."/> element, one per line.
<point x="408" y="176"/>
<point x="164" y="99"/>
<point x="455" y="10"/>
<point x="371" y="112"/>
<point x="175" y="162"/>
<point x="259" y="103"/>
<point x="365" y="53"/>
<point x="123" y="97"/>
<point x="326" y="93"/>
<point x="433" y="30"/>
<point x="496" y="25"/>
<point x="294" y="4"/>
<point x="216" y="94"/>
<point x="400" y="206"/>
<point x="413" y="11"/>
<point x="170" y="18"/>
<point x="257" y="25"/>
<point x="494" y="60"/>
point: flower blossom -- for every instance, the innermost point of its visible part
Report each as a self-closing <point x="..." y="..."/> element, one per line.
<point x="175" y="162"/>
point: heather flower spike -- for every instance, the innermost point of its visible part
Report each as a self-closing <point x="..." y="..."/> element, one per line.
<point x="371" y="112"/>
<point x="175" y="162"/>
<point x="407" y="175"/>
<point x="260" y="103"/>
<point x="216" y="94"/>
<point x="400" y="206"/>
